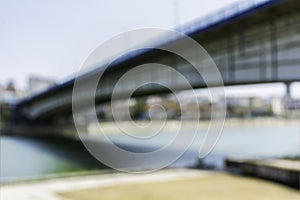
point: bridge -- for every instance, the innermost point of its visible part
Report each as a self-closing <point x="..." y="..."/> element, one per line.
<point x="257" y="43"/>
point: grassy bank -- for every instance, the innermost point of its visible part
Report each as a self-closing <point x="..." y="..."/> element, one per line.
<point x="215" y="187"/>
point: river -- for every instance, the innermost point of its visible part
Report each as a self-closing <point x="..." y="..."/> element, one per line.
<point x="28" y="157"/>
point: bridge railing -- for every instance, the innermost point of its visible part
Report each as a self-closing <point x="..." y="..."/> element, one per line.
<point x="222" y="14"/>
<point x="204" y="22"/>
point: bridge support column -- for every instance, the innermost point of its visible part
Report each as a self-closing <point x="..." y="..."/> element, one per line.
<point x="288" y="89"/>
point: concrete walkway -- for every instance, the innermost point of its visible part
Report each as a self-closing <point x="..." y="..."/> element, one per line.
<point x="46" y="190"/>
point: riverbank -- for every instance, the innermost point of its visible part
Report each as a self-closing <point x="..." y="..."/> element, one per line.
<point x="111" y="127"/>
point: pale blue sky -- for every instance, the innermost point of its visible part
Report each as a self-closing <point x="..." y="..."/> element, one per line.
<point x="53" y="37"/>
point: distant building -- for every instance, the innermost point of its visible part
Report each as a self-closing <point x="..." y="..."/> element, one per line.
<point x="291" y="104"/>
<point x="1" y="92"/>
<point x="277" y="106"/>
<point x="291" y="107"/>
<point x="8" y="93"/>
<point x="286" y="106"/>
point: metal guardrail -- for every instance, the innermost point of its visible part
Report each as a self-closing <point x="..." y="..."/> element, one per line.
<point x="222" y="14"/>
<point x="206" y="21"/>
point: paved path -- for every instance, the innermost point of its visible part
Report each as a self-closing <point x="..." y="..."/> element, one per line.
<point x="46" y="190"/>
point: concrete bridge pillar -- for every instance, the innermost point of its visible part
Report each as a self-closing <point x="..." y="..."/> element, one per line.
<point x="288" y="89"/>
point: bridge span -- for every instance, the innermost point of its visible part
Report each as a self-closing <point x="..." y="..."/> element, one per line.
<point x="259" y="44"/>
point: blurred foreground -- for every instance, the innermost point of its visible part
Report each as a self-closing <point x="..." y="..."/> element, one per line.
<point x="165" y="184"/>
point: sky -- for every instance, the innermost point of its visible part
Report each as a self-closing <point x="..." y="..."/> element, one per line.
<point x="53" y="38"/>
